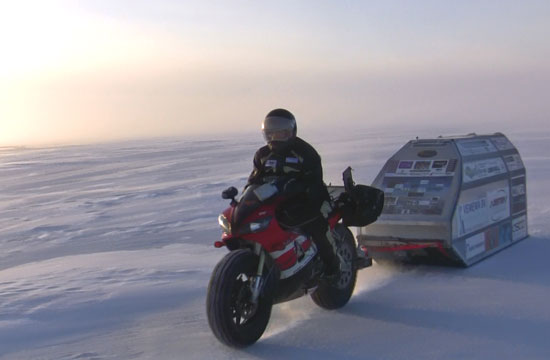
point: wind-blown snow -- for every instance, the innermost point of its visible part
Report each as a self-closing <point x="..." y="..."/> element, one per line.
<point x="106" y="253"/>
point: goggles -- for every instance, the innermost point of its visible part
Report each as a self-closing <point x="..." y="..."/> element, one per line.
<point x="277" y="135"/>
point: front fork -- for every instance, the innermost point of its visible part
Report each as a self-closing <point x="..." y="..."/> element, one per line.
<point x="256" y="284"/>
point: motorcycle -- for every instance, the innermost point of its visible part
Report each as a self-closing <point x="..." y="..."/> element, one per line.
<point x="271" y="262"/>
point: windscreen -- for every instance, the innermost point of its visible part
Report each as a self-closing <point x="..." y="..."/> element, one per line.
<point x="251" y="199"/>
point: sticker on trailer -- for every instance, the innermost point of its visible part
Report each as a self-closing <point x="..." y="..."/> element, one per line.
<point x="439" y="166"/>
<point x="482" y="169"/>
<point x="502" y="143"/>
<point x="475" y="147"/>
<point x="499" y="204"/>
<point x="519" y="196"/>
<point x="498" y="235"/>
<point x="472" y="216"/>
<point x="415" y="195"/>
<point x="513" y="162"/>
<point x="519" y="228"/>
<point x="423" y="168"/>
<point x="518" y="186"/>
<point x="475" y="245"/>
<point x="481" y="207"/>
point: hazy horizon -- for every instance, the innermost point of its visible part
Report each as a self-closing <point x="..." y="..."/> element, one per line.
<point x="91" y="71"/>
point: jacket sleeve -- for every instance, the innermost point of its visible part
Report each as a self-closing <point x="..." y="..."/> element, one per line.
<point x="314" y="178"/>
<point x="255" y="175"/>
<point x="316" y="190"/>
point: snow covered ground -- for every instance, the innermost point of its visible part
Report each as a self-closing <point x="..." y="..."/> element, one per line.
<point x="106" y="251"/>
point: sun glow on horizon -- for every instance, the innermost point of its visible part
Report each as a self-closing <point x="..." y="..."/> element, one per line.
<point x="60" y="67"/>
<point x="87" y="70"/>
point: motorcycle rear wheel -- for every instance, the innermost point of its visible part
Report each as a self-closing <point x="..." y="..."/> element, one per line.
<point x="234" y="320"/>
<point x="335" y="294"/>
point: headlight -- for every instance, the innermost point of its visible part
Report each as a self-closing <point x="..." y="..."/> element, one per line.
<point x="258" y="225"/>
<point x="224" y="224"/>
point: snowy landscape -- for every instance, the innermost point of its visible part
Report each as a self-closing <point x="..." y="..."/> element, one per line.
<point x="106" y="252"/>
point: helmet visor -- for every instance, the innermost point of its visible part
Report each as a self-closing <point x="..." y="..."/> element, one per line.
<point x="277" y="135"/>
<point x="278" y="129"/>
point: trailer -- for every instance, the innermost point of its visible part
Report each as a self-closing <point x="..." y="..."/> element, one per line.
<point x="460" y="198"/>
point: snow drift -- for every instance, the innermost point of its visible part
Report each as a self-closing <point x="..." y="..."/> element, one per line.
<point x="106" y="252"/>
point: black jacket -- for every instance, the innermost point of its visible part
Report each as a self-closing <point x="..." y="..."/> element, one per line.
<point x="299" y="161"/>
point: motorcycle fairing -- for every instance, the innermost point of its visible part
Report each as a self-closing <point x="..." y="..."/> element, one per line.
<point x="297" y="254"/>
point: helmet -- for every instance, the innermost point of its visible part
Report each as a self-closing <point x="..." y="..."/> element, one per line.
<point x="279" y="127"/>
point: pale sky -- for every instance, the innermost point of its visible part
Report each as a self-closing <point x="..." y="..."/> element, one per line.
<point x="89" y="70"/>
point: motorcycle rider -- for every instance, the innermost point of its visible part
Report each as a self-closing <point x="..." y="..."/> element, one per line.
<point x="296" y="165"/>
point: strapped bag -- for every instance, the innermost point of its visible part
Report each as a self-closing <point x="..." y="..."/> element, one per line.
<point x="364" y="203"/>
<point x="367" y="204"/>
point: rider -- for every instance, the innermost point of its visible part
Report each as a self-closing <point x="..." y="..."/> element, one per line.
<point x="289" y="158"/>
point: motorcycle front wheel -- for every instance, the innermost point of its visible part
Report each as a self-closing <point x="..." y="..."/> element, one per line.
<point x="233" y="318"/>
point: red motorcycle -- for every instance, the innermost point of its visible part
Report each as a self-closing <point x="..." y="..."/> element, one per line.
<point x="271" y="262"/>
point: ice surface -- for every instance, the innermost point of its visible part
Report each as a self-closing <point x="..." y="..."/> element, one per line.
<point x="106" y="252"/>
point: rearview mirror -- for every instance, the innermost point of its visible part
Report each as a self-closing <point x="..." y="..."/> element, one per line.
<point x="348" y="179"/>
<point x="230" y="193"/>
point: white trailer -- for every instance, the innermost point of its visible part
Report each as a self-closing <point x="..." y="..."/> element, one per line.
<point x="462" y="197"/>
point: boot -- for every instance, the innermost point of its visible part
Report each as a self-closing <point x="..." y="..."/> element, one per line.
<point x="325" y="243"/>
<point x="322" y="237"/>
